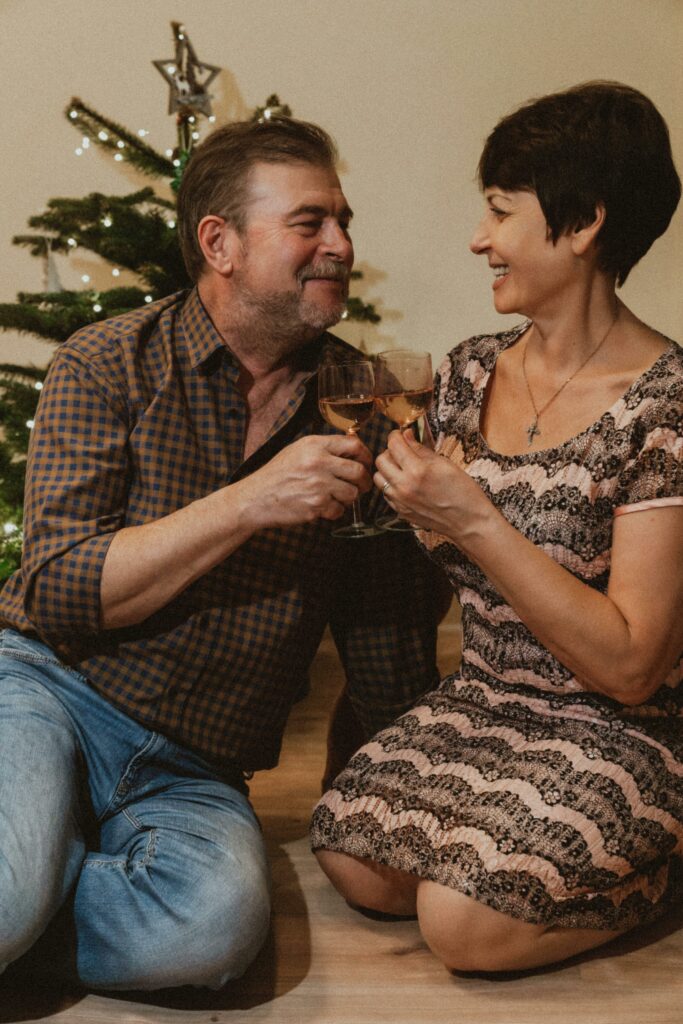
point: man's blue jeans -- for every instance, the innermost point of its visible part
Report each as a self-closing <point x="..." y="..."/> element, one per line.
<point x="156" y="865"/>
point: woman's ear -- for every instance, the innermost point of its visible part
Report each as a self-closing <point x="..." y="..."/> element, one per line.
<point x="583" y="237"/>
<point x="217" y="240"/>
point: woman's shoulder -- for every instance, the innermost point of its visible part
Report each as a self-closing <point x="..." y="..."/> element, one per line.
<point x="477" y="355"/>
<point x="662" y="383"/>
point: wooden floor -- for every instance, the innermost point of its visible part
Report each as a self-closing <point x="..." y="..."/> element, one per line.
<point x="326" y="964"/>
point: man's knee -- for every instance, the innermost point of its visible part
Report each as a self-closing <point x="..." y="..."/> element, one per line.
<point x="206" y="943"/>
<point x="40" y="843"/>
<point x="240" y="930"/>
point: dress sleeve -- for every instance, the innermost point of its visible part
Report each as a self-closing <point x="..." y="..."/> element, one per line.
<point x="77" y="480"/>
<point x="653" y="476"/>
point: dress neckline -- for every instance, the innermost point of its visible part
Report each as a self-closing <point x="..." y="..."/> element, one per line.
<point x="511" y="338"/>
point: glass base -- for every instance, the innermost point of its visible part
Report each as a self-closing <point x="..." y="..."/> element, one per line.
<point x="358" y="530"/>
<point x="396" y="524"/>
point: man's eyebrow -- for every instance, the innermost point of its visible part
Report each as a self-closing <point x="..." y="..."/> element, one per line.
<point x="346" y="213"/>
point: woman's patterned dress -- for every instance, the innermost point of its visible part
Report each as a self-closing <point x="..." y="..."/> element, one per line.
<point x="510" y="782"/>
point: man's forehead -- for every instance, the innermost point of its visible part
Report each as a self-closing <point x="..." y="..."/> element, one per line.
<point x="289" y="187"/>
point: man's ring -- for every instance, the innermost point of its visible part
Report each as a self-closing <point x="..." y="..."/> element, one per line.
<point x="385" y="489"/>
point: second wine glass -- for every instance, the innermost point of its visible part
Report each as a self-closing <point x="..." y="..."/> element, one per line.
<point x="346" y="399"/>
<point x="403" y="392"/>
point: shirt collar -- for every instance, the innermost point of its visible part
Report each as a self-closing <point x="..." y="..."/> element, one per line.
<point x="202" y="338"/>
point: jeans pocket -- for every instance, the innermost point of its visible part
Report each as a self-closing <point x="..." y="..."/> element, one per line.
<point x="25" y="648"/>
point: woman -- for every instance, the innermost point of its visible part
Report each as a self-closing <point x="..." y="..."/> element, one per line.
<point x="531" y="807"/>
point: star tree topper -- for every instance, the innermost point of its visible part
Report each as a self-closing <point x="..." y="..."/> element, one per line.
<point x="188" y="77"/>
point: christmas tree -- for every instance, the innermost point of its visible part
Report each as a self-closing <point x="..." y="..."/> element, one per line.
<point x="135" y="233"/>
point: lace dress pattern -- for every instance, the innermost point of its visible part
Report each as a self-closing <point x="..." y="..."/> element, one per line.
<point x="509" y="782"/>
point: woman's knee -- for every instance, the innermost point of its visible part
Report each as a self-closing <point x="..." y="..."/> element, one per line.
<point x="365" y="883"/>
<point x="469" y="936"/>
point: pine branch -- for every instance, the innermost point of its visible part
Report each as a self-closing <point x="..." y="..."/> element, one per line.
<point x="133" y="150"/>
<point x="55" y="317"/>
<point x="18" y="402"/>
<point x="124" y="230"/>
<point x="28" y="320"/>
<point x="358" y="310"/>
<point x="12" y="370"/>
<point x="10" y="527"/>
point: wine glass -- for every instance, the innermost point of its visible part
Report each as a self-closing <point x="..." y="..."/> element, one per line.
<point x="403" y="392"/>
<point x="347" y="400"/>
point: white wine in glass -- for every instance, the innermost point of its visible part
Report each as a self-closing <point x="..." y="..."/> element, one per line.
<point x="403" y="392"/>
<point x="346" y="398"/>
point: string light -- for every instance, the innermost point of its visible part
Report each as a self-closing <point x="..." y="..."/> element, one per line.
<point x="120" y="145"/>
<point x="171" y="224"/>
<point x="195" y="135"/>
<point x="103" y="136"/>
<point x="97" y="307"/>
<point x="176" y="163"/>
<point x="38" y="385"/>
<point x="73" y="114"/>
<point x="169" y="152"/>
<point x="85" y="142"/>
<point x="115" y="272"/>
<point x="9" y="528"/>
<point x="78" y="151"/>
<point x="212" y="118"/>
<point x="85" y="278"/>
<point x="72" y="242"/>
<point x="142" y="132"/>
<point x="118" y="157"/>
<point x="30" y="424"/>
<point x="148" y="298"/>
<point x="107" y="221"/>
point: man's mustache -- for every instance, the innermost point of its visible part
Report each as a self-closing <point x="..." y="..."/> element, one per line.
<point x="325" y="268"/>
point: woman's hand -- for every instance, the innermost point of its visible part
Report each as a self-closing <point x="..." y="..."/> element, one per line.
<point x="429" y="491"/>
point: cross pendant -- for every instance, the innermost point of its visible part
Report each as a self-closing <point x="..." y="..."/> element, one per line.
<point x="532" y="431"/>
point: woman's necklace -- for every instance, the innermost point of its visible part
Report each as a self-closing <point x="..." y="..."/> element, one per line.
<point x="533" y="430"/>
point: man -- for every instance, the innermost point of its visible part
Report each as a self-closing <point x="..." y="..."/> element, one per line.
<point x="178" y="573"/>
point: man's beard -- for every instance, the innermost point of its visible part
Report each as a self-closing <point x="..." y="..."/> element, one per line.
<point x="281" y="322"/>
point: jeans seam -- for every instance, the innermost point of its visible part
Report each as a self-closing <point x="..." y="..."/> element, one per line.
<point x="143" y="862"/>
<point x="127" y="776"/>
<point x="32" y="659"/>
<point x="41" y="659"/>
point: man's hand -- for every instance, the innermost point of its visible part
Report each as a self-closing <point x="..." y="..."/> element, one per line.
<point x="316" y="477"/>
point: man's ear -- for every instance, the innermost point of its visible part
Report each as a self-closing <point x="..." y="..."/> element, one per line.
<point x="585" y="236"/>
<point x="218" y="241"/>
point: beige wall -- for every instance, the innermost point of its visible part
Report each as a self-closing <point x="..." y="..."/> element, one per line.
<point x="408" y="88"/>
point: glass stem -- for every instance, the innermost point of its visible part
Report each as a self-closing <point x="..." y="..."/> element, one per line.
<point x="355" y="507"/>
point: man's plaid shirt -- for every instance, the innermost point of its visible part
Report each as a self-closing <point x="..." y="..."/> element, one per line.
<point x="141" y="415"/>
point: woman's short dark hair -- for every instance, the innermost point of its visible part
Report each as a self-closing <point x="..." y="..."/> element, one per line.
<point x="216" y="178"/>
<point x="600" y="143"/>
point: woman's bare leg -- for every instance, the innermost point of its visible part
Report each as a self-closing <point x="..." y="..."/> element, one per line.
<point x="364" y="883"/>
<point x="469" y="936"/>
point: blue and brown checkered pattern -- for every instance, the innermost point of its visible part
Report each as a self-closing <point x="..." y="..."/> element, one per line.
<point x="141" y="415"/>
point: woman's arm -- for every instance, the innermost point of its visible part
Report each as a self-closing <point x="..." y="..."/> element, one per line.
<point x="622" y="643"/>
